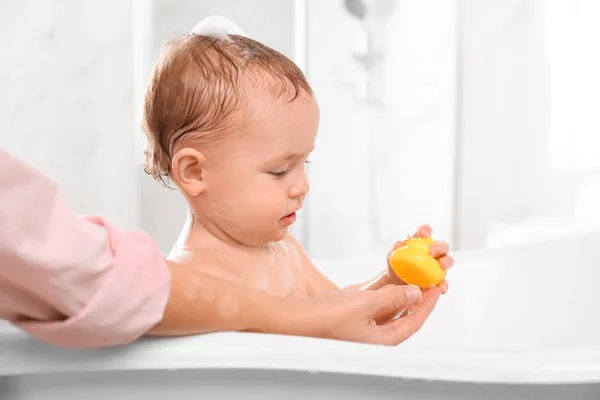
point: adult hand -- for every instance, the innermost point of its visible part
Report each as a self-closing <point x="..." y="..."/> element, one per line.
<point x="354" y="315"/>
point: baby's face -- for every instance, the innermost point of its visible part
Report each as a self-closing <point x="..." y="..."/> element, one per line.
<point x="257" y="183"/>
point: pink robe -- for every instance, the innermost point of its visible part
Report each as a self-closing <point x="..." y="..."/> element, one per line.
<point x="72" y="281"/>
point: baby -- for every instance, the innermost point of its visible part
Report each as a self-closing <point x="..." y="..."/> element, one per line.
<point x="231" y="123"/>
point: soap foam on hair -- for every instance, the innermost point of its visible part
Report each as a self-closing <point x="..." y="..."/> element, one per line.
<point x="217" y="27"/>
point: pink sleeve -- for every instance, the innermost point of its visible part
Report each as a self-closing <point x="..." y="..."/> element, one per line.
<point x="69" y="281"/>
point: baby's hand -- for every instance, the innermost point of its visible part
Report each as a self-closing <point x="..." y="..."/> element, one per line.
<point x="438" y="250"/>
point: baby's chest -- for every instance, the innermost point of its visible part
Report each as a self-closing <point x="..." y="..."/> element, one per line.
<point x="278" y="276"/>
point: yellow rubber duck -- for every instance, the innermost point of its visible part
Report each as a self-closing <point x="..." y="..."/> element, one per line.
<point x="415" y="266"/>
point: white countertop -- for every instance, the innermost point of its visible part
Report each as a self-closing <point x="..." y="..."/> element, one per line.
<point x="22" y="355"/>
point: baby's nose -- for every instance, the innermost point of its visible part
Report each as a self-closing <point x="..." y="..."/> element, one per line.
<point x="300" y="189"/>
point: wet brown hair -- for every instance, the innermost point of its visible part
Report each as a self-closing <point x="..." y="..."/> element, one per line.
<point x="199" y="83"/>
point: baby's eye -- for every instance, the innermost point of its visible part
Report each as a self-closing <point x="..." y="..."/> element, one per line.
<point x="279" y="174"/>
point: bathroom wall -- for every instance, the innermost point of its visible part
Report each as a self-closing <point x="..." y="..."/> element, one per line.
<point x="381" y="169"/>
<point x="484" y="123"/>
<point x="528" y="128"/>
<point x="487" y="127"/>
<point x="66" y="99"/>
<point x="504" y="115"/>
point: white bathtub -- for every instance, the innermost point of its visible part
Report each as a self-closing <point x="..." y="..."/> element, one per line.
<point x="518" y="323"/>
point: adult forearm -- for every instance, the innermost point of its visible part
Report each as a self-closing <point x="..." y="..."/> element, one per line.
<point x="202" y="303"/>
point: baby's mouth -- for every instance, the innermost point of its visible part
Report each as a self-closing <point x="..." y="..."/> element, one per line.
<point x="290" y="218"/>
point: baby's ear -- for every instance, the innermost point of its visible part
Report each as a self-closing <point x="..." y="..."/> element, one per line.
<point x="188" y="167"/>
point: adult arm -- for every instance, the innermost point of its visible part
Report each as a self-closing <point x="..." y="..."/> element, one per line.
<point x="204" y="303"/>
<point x="72" y="281"/>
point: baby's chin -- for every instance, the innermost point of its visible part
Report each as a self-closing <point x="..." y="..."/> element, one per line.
<point x="281" y="234"/>
<point x="263" y="240"/>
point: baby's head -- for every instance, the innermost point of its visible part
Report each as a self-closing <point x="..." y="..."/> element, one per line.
<point x="231" y="123"/>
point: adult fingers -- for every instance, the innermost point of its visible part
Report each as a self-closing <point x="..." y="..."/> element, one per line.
<point x="392" y="299"/>
<point x="382" y="317"/>
<point x="397" y="331"/>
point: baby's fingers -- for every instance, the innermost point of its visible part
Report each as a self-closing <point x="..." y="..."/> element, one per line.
<point x="446" y="262"/>
<point x="394" y="247"/>
<point x="423" y="231"/>
<point x="398" y="244"/>
<point x="439" y="249"/>
<point x="443" y="287"/>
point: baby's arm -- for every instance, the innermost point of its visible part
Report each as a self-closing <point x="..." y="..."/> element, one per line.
<point x="319" y="284"/>
<point x="439" y="250"/>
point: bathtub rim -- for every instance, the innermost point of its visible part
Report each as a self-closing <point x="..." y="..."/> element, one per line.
<point x="263" y="352"/>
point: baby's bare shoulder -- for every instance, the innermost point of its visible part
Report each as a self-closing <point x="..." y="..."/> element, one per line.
<point x="206" y="261"/>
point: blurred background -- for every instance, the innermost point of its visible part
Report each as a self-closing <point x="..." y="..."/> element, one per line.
<point x="478" y="117"/>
